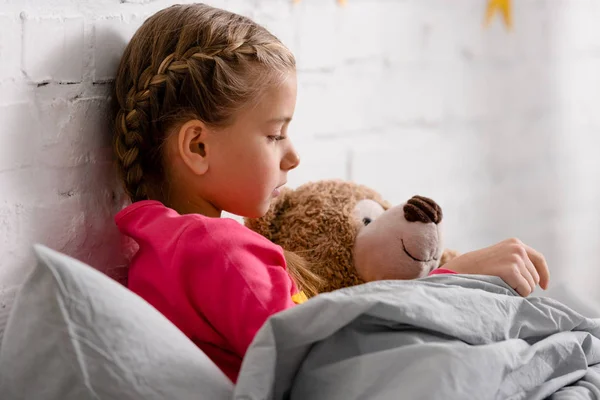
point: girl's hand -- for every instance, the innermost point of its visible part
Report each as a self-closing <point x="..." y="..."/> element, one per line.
<point x="517" y="264"/>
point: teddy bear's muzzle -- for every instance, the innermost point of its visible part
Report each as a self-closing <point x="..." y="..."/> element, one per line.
<point x="422" y="209"/>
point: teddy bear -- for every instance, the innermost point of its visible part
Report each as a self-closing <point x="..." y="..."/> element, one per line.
<point x="348" y="234"/>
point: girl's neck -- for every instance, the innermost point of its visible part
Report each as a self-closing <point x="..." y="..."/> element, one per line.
<point x="183" y="203"/>
<point x="195" y="206"/>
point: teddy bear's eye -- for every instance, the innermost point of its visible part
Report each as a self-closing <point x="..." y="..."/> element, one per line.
<point x="366" y="211"/>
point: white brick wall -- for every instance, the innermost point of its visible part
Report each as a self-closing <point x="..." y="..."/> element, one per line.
<point x="58" y="57"/>
<point x="407" y="96"/>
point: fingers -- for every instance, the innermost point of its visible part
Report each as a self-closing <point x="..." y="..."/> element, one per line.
<point x="540" y="265"/>
<point x="519" y="265"/>
<point x="531" y="269"/>
<point x="526" y="272"/>
<point x="532" y="275"/>
<point x="517" y="281"/>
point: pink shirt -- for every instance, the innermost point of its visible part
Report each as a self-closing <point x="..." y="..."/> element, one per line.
<point x="213" y="278"/>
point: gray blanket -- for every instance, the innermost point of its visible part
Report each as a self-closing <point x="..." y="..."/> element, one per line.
<point x="442" y="337"/>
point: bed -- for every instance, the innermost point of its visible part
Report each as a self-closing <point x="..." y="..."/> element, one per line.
<point x="74" y="333"/>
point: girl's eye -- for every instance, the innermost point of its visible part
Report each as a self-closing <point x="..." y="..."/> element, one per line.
<point x="275" y="138"/>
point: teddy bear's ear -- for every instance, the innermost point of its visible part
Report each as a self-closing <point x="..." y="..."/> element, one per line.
<point x="448" y="255"/>
<point x="268" y="224"/>
<point x="386" y="205"/>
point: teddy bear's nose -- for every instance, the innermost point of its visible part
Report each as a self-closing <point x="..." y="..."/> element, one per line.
<point x="422" y="209"/>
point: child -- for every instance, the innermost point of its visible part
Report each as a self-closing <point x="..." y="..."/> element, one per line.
<point x="202" y="103"/>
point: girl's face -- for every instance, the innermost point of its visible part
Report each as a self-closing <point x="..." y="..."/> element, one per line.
<point x="248" y="161"/>
<point x="253" y="155"/>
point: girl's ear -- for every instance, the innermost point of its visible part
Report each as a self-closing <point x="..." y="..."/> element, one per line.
<point x="193" y="147"/>
<point x="269" y="224"/>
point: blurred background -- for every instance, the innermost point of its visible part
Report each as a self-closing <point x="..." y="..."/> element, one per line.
<point x="409" y="97"/>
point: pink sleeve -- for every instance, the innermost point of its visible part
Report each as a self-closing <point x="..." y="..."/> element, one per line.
<point x="441" y="271"/>
<point x="236" y="279"/>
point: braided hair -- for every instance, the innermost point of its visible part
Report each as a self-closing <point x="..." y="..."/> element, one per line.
<point x="190" y="62"/>
<point x="186" y="62"/>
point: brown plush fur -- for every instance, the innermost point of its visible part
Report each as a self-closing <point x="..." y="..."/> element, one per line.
<point x="318" y="228"/>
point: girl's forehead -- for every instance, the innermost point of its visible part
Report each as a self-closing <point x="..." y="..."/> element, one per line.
<point x="276" y="102"/>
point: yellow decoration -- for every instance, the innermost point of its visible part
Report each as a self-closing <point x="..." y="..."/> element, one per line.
<point x="299" y="297"/>
<point x="503" y="6"/>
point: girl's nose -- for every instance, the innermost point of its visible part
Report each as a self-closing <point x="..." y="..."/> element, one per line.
<point x="290" y="160"/>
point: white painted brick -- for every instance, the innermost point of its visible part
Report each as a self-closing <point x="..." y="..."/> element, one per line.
<point x="10" y="227"/>
<point x="14" y="91"/>
<point x="313" y="110"/>
<point x="75" y="230"/>
<point x="16" y="259"/>
<point x="339" y="102"/>
<point x="354" y="101"/>
<point x="403" y="162"/>
<point x="19" y="136"/>
<point x="478" y="93"/>
<point x="472" y="41"/>
<point x="414" y="95"/>
<point x="10" y="47"/>
<point x="405" y="32"/>
<point x="421" y="32"/>
<point x="574" y="29"/>
<point x="242" y="7"/>
<point x="436" y="31"/>
<point x="277" y="17"/>
<point x="54" y="114"/>
<point x="111" y="36"/>
<point x="577" y="89"/>
<point x="532" y="37"/>
<point x="358" y="38"/>
<point x="318" y="161"/>
<point x="52" y="48"/>
<point x="315" y="24"/>
<point x="80" y="138"/>
<point x="14" y="191"/>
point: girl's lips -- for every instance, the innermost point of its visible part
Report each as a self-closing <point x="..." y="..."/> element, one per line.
<point x="277" y="190"/>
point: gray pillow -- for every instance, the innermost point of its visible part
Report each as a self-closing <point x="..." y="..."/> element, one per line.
<point x="74" y="333"/>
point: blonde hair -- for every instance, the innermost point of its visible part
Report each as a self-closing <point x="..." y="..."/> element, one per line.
<point x="186" y="62"/>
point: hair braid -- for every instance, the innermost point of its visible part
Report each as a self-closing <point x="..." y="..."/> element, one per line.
<point x="134" y="118"/>
<point x="185" y="62"/>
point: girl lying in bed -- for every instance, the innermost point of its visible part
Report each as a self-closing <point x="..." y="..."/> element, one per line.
<point x="202" y="103"/>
